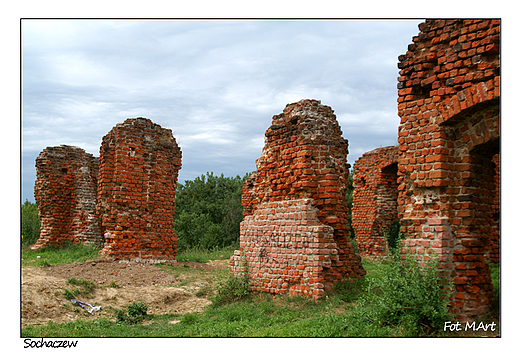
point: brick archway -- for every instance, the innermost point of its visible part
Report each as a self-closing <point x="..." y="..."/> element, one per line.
<point x="374" y="206"/>
<point x="449" y="90"/>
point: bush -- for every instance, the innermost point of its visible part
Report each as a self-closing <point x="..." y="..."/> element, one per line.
<point x="407" y="299"/>
<point x="208" y="212"/>
<point x="30" y="223"/>
<point x="134" y="313"/>
<point x="232" y="290"/>
<point x="394" y="236"/>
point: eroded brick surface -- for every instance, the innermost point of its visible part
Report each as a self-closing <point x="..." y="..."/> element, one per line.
<point x="374" y="207"/>
<point x="449" y="91"/>
<point x="138" y="170"/>
<point x="295" y="239"/>
<point x="65" y="191"/>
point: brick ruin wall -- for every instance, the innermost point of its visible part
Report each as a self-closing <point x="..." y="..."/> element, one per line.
<point x="65" y="192"/>
<point x="294" y="237"/>
<point x="138" y="170"/>
<point x="374" y="205"/>
<point x="125" y="199"/>
<point x="449" y="93"/>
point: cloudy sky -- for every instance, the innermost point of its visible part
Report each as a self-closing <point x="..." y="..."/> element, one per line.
<point x="215" y="83"/>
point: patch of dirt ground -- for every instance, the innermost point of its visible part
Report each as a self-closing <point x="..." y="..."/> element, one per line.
<point x="117" y="284"/>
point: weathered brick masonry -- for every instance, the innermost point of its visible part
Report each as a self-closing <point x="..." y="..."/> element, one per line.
<point x="374" y="206"/>
<point x="125" y="198"/>
<point x="449" y="91"/>
<point x="247" y="194"/>
<point x="65" y="191"/>
<point x="294" y="237"/>
<point x="138" y="170"/>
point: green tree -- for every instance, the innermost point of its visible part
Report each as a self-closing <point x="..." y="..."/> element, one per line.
<point x="30" y="223"/>
<point x="208" y="211"/>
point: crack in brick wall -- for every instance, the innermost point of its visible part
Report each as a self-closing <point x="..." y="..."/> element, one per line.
<point x="65" y="192"/>
<point x="374" y="205"/>
<point x="294" y="237"/>
<point x="449" y="91"/>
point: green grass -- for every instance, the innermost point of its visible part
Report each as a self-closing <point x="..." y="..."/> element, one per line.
<point x="85" y="287"/>
<point x="352" y="309"/>
<point x="203" y="256"/>
<point x="53" y="255"/>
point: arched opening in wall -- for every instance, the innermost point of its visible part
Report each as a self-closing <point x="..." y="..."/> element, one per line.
<point x="478" y="234"/>
<point x="485" y="196"/>
<point x="387" y="194"/>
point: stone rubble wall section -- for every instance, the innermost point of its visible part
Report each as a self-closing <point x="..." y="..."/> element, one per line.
<point x="65" y="192"/>
<point x="139" y="165"/>
<point x="305" y="157"/>
<point x="449" y="104"/>
<point x="374" y="206"/>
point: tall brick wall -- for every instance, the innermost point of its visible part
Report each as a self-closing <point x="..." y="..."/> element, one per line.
<point x="138" y="170"/>
<point x="449" y="91"/>
<point x="374" y="206"/>
<point x="295" y="239"/>
<point x="65" y="191"/>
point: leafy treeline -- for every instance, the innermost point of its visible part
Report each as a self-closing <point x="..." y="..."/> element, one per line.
<point x="30" y="223"/>
<point x="208" y="212"/>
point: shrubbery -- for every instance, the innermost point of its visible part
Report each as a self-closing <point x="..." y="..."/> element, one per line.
<point x="30" y="223"/>
<point x="407" y="299"/>
<point x="134" y="313"/>
<point x="232" y="290"/>
<point x="208" y="212"/>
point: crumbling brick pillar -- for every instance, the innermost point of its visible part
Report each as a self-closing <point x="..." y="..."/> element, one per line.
<point x="139" y="165"/>
<point x="449" y="104"/>
<point x="294" y="239"/>
<point x="374" y="206"/>
<point x="247" y="194"/>
<point x="65" y="191"/>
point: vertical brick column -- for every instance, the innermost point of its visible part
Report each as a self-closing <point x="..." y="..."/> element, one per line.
<point x="449" y="91"/>
<point x="296" y="239"/>
<point x="374" y="206"/>
<point x="247" y="194"/>
<point x="139" y="165"/>
<point x="65" y="191"/>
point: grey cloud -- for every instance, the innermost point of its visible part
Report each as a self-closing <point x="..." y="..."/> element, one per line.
<point x="215" y="83"/>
